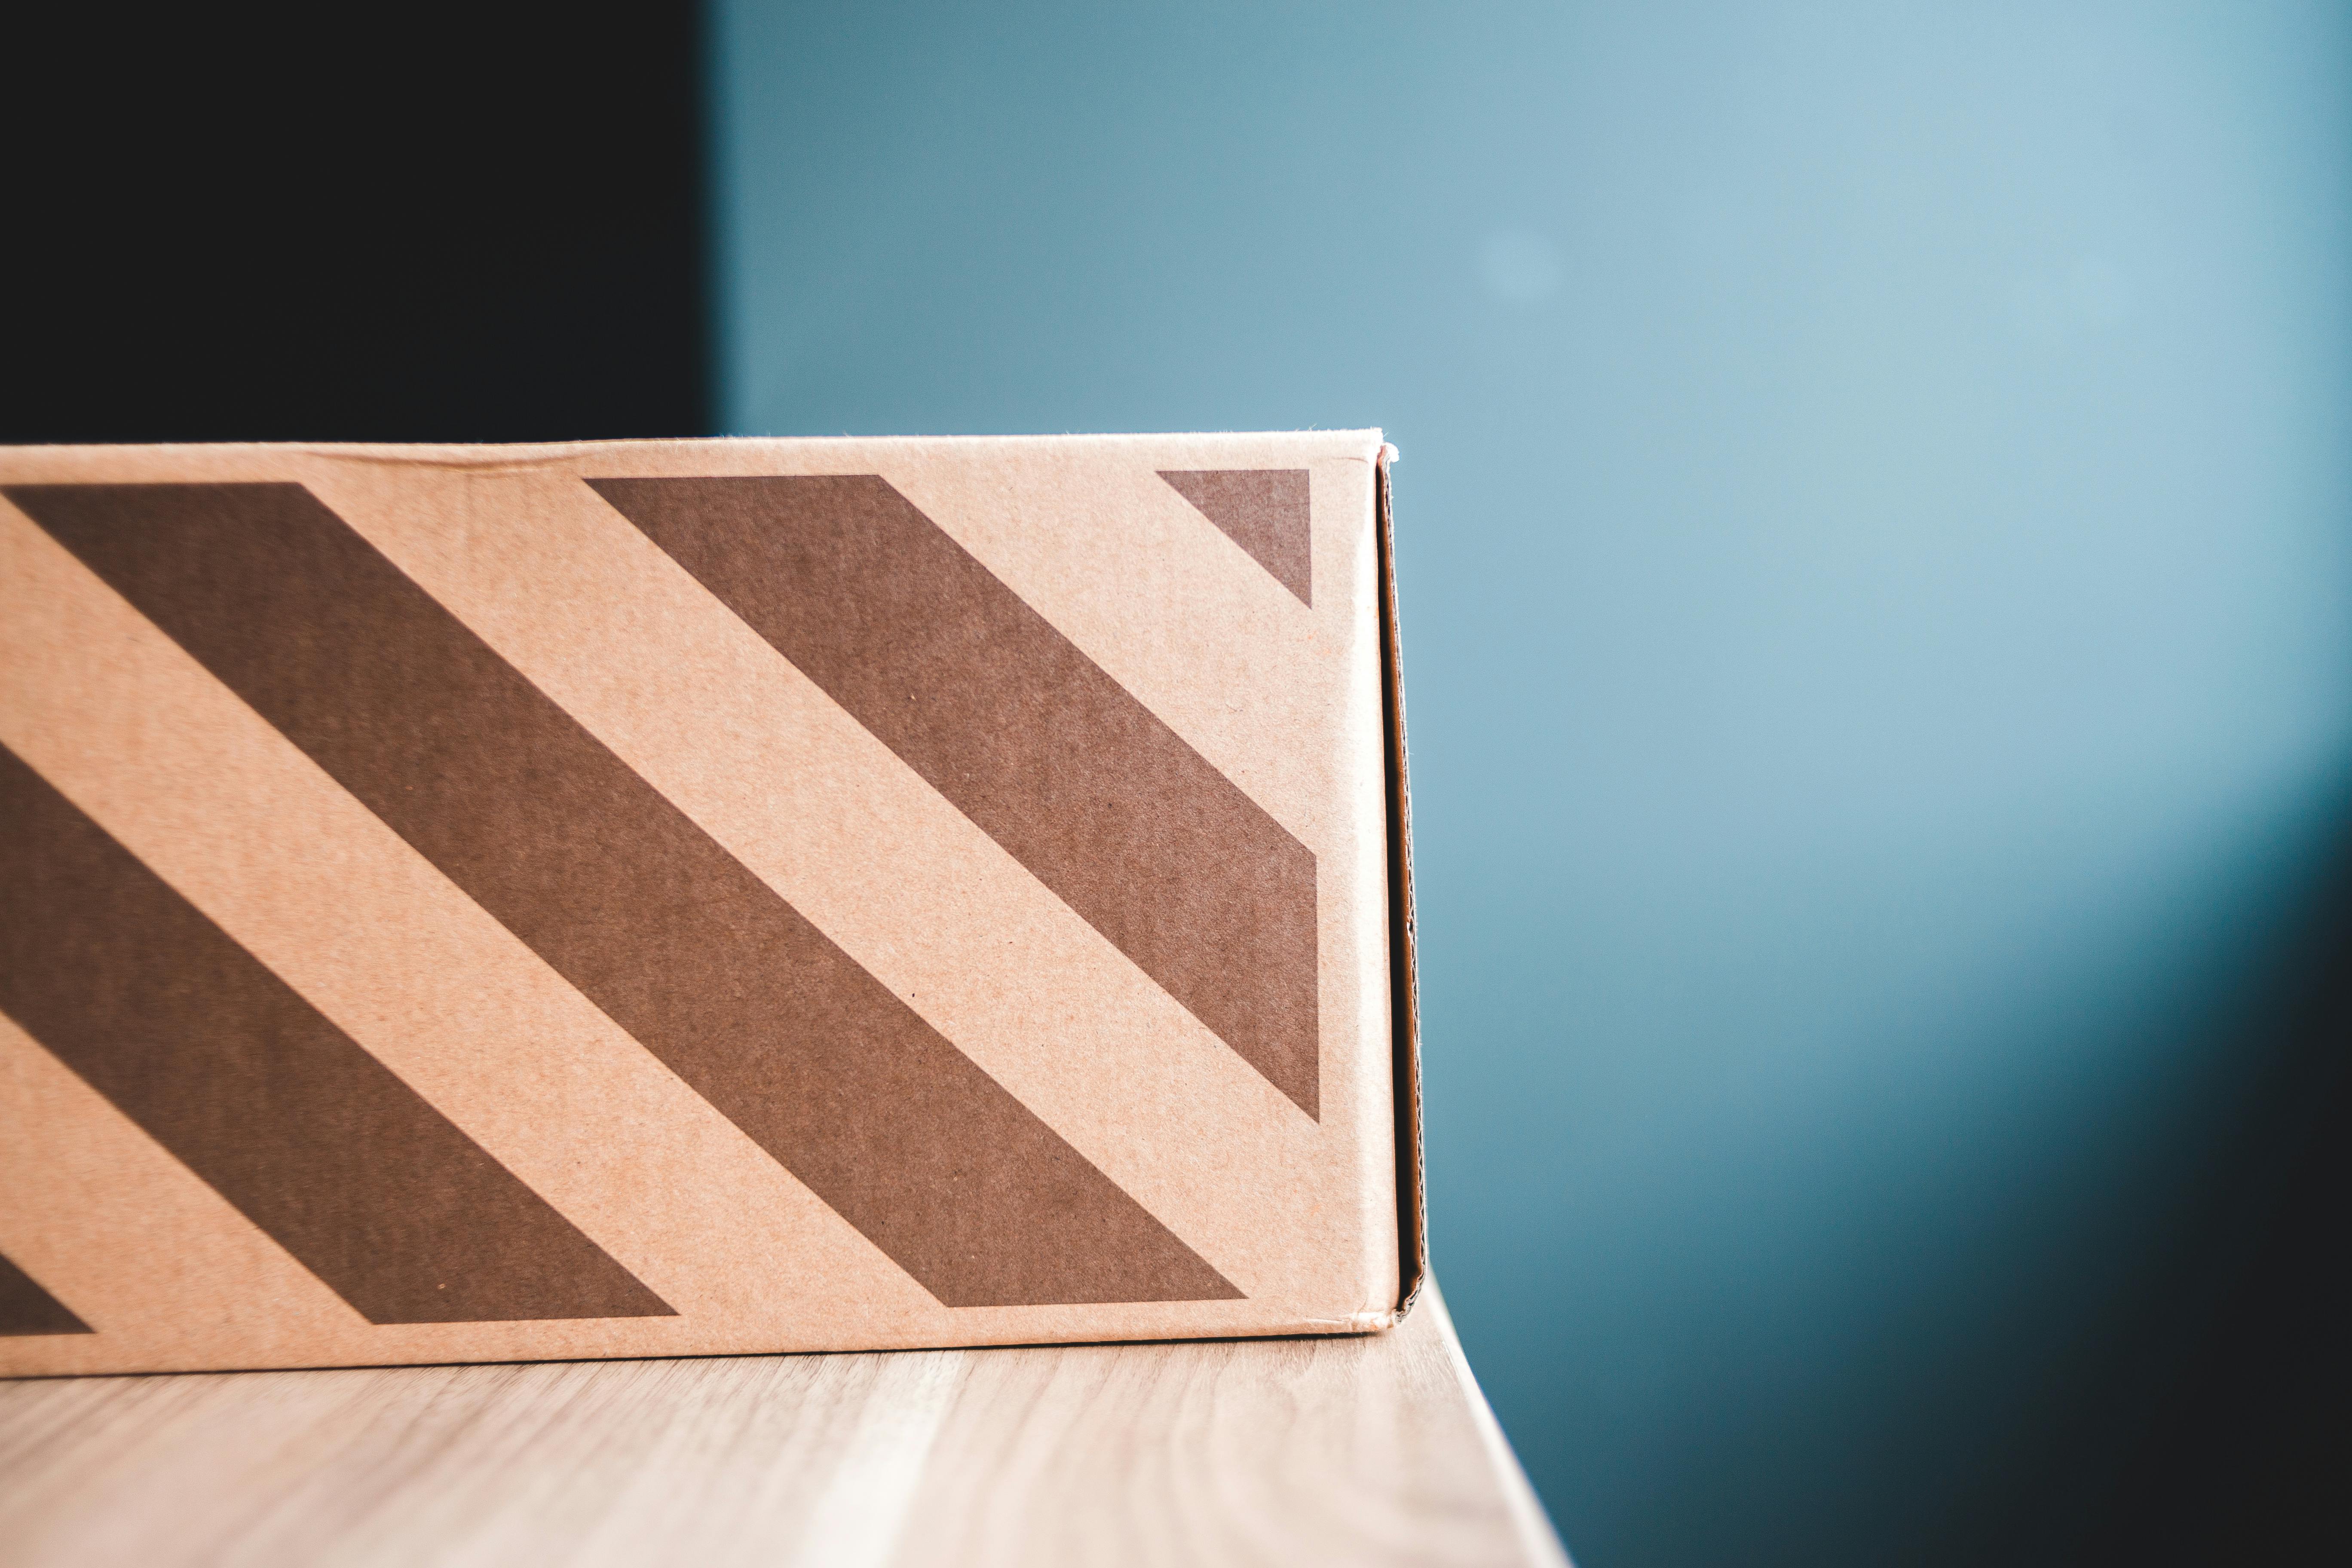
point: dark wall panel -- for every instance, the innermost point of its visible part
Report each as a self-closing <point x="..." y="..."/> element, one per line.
<point x="430" y="222"/>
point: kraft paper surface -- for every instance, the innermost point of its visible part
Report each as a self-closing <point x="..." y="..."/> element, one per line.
<point x="658" y="898"/>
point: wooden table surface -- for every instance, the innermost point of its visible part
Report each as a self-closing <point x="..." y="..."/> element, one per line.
<point x="1296" y="1452"/>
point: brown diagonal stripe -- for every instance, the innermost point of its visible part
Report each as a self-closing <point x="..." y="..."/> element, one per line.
<point x="1030" y="739"/>
<point x="27" y="1309"/>
<point x="251" y="1088"/>
<point x="623" y="894"/>
<point x="1263" y="510"/>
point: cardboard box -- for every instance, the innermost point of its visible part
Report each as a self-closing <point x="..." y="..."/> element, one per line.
<point x="664" y="898"/>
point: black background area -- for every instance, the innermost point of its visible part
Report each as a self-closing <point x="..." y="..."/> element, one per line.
<point x="423" y="223"/>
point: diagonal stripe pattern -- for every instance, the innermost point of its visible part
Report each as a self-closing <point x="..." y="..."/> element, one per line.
<point x="1031" y="740"/>
<point x="27" y="1309"/>
<point x="285" y="1115"/>
<point x="1263" y="510"/>
<point x="621" y="893"/>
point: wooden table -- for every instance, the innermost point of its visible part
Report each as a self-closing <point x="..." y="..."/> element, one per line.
<point x="1296" y="1452"/>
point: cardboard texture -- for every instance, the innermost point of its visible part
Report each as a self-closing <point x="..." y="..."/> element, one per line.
<point x="664" y="898"/>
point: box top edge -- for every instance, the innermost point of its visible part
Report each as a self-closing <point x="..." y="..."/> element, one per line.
<point x="1367" y="443"/>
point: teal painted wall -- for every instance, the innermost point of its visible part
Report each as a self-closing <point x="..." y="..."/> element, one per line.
<point x="1877" y="532"/>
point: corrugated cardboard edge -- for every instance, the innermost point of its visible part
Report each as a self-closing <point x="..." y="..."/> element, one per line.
<point x="1404" y="996"/>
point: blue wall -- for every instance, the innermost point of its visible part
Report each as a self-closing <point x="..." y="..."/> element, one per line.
<point x="1876" y="528"/>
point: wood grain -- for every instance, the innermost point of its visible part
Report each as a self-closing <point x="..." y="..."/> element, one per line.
<point x="1359" y="1450"/>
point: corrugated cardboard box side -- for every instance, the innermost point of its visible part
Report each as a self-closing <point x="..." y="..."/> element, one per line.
<point x="666" y="898"/>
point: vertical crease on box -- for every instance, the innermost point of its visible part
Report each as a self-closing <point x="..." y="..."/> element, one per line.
<point x="1404" y="998"/>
